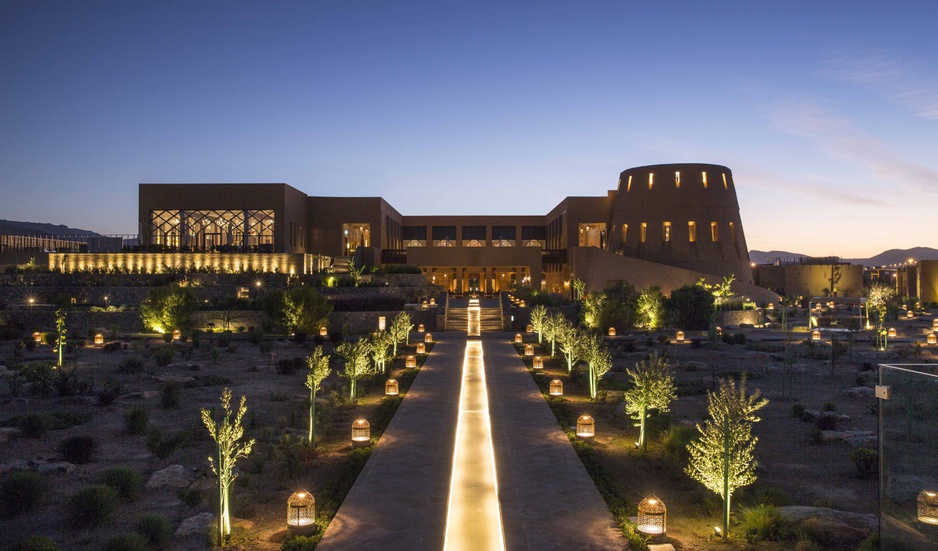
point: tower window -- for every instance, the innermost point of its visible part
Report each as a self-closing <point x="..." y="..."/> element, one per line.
<point x="666" y="229"/>
<point x="629" y="186"/>
<point x="677" y="180"/>
<point x="651" y="179"/>
<point x="692" y="231"/>
<point x="704" y="175"/>
<point x="644" y="231"/>
<point x="625" y="232"/>
<point x="724" y="181"/>
<point x="714" y="231"/>
<point x="733" y="232"/>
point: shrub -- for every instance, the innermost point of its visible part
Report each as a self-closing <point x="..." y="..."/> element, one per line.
<point x="68" y="382"/>
<point x="224" y="339"/>
<point x="163" y="446"/>
<point x="126" y="542"/>
<point x="827" y="421"/>
<point x="34" y="425"/>
<point x="109" y="393"/>
<point x="866" y="461"/>
<point x="78" y="449"/>
<point x="163" y="355"/>
<point x="156" y="529"/>
<point x="763" y="522"/>
<point x="189" y="496"/>
<point x="91" y="506"/>
<point x="167" y="338"/>
<point x="133" y="364"/>
<point x="288" y="366"/>
<point x="125" y="481"/>
<point x="169" y="395"/>
<point x="265" y="347"/>
<point x="37" y="543"/>
<point x="136" y="419"/>
<point x="797" y="410"/>
<point x="22" y="492"/>
<point x="829" y="406"/>
<point x="300" y="543"/>
<point x="255" y="337"/>
<point x="676" y="439"/>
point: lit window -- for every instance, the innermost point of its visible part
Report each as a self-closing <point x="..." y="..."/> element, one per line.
<point x="677" y="180"/>
<point x="667" y="231"/>
<point x="629" y="187"/>
<point x="733" y="231"/>
<point x="692" y="231"/>
<point x="704" y="174"/>
<point x="714" y="231"/>
<point x="651" y="179"/>
<point x="625" y="232"/>
<point x="724" y="181"/>
<point x="643" y="232"/>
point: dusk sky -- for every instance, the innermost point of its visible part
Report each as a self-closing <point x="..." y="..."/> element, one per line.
<point x="827" y="112"/>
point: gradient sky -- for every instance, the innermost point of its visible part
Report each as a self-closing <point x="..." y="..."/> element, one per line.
<point x="827" y="112"/>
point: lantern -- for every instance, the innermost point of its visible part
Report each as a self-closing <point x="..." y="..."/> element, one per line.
<point x="424" y="305"/>
<point x="816" y="335"/>
<point x="99" y="339"/>
<point x="382" y="323"/>
<point x="37" y="337"/>
<point x="556" y="387"/>
<point x="361" y="433"/>
<point x="909" y="314"/>
<point x="928" y="507"/>
<point x="538" y="362"/>
<point x="679" y="336"/>
<point x="301" y="513"/>
<point x="391" y="387"/>
<point x="518" y="338"/>
<point x="931" y="339"/>
<point x="652" y="516"/>
<point x="585" y="426"/>
<point x="719" y="331"/>
<point x="529" y="328"/>
<point x="771" y="306"/>
<point x="421" y="348"/>
<point x="522" y="304"/>
<point x="432" y="302"/>
<point x="323" y="332"/>
<point x="177" y="334"/>
<point x="428" y="337"/>
<point x="612" y="332"/>
<point x="411" y="361"/>
<point x="529" y="350"/>
<point x="891" y="332"/>
<point x="421" y="328"/>
<point x="934" y="325"/>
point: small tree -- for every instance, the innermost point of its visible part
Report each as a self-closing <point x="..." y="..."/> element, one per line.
<point x="690" y="307"/>
<point x="651" y="307"/>
<point x="652" y="388"/>
<point x="722" y="458"/>
<point x="591" y="309"/>
<point x="298" y="309"/>
<point x="168" y="308"/>
<point x="579" y="289"/>
<point x="400" y="330"/>
<point x="226" y="433"/>
<point x="878" y="298"/>
<point x="571" y="342"/>
<point x="538" y="320"/>
<point x="60" y="332"/>
<point x="552" y="327"/>
<point x="355" y="271"/>
<point x="318" y="371"/>
<point x="380" y="342"/>
<point x="356" y="363"/>
<point x="599" y="360"/>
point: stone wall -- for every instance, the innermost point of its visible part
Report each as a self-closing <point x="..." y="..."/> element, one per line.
<point x="736" y="317"/>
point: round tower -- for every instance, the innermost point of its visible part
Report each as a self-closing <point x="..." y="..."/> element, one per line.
<point x="684" y="215"/>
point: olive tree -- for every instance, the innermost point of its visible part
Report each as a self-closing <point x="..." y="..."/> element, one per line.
<point x="722" y="459"/>
<point x="298" y="309"/>
<point x="571" y="340"/>
<point x="538" y="320"/>
<point x="357" y="364"/>
<point x="400" y="330"/>
<point x="599" y="360"/>
<point x="380" y="343"/>
<point x="318" y="364"/>
<point x="652" y="388"/>
<point x="168" y="308"/>
<point x="60" y="332"/>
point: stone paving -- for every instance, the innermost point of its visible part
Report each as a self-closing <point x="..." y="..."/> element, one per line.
<point x="548" y="501"/>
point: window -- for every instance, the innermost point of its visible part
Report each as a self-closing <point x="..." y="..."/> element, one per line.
<point x="503" y="236"/>
<point x="592" y="235"/>
<point x="733" y="232"/>
<point x="415" y="236"/>
<point x="533" y="236"/>
<point x="692" y="232"/>
<point x="714" y="231"/>
<point x="651" y="179"/>
<point x="724" y="181"/>
<point x="473" y="236"/>
<point x="643" y="232"/>
<point x="625" y="233"/>
<point x="444" y="236"/>
<point x="216" y="230"/>
<point x="629" y="186"/>
<point x="677" y="180"/>
<point x="355" y="235"/>
<point x="666" y="230"/>
<point x="704" y="176"/>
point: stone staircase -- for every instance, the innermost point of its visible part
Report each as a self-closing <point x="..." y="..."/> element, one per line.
<point x="490" y="315"/>
<point x="457" y="315"/>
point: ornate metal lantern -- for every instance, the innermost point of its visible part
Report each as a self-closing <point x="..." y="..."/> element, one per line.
<point x="585" y="426"/>
<point x="301" y="513"/>
<point x="529" y="350"/>
<point x="421" y="348"/>
<point x="928" y="507"/>
<point x="556" y="387"/>
<point x="391" y="387"/>
<point x="411" y="361"/>
<point x="538" y="362"/>
<point x="652" y="516"/>
<point x="518" y="338"/>
<point x="361" y="433"/>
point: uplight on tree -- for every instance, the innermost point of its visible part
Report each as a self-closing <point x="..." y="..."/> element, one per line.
<point x="722" y="458"/>
<point x="599" y="360"/>
<point x="538" y="320"/>
<point x="571" y="342"/>
<point x="60" y="332"/>
<point x="356" y="363"/>
<point x="400" y="330"/>
<point x="652" y="388"/>
<point x="380" y="343"/>
<point x="318" y="364"/>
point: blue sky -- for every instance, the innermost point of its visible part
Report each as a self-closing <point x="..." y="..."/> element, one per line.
<point x="827" y="112"/>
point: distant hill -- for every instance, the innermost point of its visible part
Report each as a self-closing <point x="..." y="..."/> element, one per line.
<point x="892" y="256"/>
<point x="12" y="227"/>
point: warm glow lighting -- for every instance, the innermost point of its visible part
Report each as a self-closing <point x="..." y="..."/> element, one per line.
<point x="301" y="513"/>
<point x="611" y="332"/>
<point x="323" y="332"/>
<point x="679" y="336"/>
<point x="529" y="328"/>
<point x="421" y="328"/>
<point x="411" y="361"/>
<point x="909" y="314"/>
<point x="99" y="339"/>
<point x="177" y="334"/>
<point x="931" y="339"/>
<point x="934" y="325"/>
<point x="421" y="348"/>
<point x="37" y="337"/>
<point x="474" y="318"/>
<point x="529" y="350"/>
<point x="473" y="515"/>
<point x="928" y="507"/>
<point x="585" y="426"/>
<point x="428" y="337"/>
<point x="891" y="332"/>
<point x="556" y="387"/>
<point x="361" y="433"/>
<point x="538" y="362"/>
<point x="391" y="387"/>
<point x="518" y="338"/>
<point x="652" y="516"/>
<point x="382" y="323"/>
<point x="816" y="335"/>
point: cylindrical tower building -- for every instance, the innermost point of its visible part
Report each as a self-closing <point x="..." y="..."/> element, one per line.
<point x="684" y="215"/>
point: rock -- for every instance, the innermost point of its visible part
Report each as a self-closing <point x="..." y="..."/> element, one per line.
<point x="59" y="467"/>
<point x="204" y="483"/>
<point x="859" y="392"/>
<point x="174" y="378"/>
<point x="6" y="433"/>
<point x="696" y="366"/>
<point x="904" y="488"/>
<point x="855" y="438"/>
<point x="198" y="525"/>
<point x="17" y="465"/>
<point x="841" y="519"/>
<point x="175" y="475"/>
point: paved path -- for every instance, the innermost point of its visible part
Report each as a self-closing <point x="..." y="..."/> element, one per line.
<point x="548" y="500"/>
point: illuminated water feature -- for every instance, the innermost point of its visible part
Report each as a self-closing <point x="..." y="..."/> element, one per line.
<point x="473" y="516"/>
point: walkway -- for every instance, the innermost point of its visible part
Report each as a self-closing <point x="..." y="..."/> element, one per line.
<point x="548" y="501"/>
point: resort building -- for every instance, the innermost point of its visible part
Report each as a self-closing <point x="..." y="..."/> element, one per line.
<point x="667" y="225"/>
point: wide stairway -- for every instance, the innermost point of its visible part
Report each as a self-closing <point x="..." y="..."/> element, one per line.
<point x="490" y="315"/>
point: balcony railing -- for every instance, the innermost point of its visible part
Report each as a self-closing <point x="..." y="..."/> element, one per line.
<point x="394" y="256"/>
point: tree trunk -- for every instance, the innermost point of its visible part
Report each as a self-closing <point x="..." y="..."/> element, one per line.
<point x="353" y="396"/>
<point x="641" y="430"/>
<point x="221" y="498"/>
<point x="312" y="418"/>
<point x="726" y="476"/>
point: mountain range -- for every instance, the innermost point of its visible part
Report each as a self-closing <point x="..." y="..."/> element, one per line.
<point x="11" y="227"/>
<point x="892" y="256"/>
